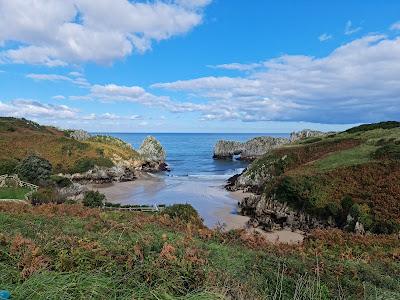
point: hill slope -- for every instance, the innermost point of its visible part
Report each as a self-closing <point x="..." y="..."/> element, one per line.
<point x="72" y="252"/>
<point x="348" y="177"/>
<point x="20" y="138"/>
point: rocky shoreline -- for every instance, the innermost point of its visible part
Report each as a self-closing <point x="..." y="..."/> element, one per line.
<point x="267" y="214"/>
<point x="249" y="150"/>
<point x="152" y="160"/>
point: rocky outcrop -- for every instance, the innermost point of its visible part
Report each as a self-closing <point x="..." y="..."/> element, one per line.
<point x="74" y="192"/>
<point x="253" y="178"/>
<point x="307" y="133"/>
<point x="249" y="150"/>
<point x="153" y="154"/>
<point x="103" y="175"/>
<point x="80" y="135"/>
<point x="269" y="214"/>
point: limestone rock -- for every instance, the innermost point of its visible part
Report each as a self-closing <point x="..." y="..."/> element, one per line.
<point x="306" y="133"/>
<point x="249" y="150"/>
<point x="359" y="228"/>
<point x="153" y="154"/>
<point x="74" y="192"/>
<point x="104" y="175"/>
<point x="80" y="135"/>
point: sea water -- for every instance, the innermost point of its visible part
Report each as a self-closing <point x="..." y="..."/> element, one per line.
<point x="195" y="177"/>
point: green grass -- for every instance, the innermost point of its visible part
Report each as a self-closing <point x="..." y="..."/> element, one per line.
<point x="13" y="193"/>
<point x="350" y="157"/>
<point x="89" y="254"/>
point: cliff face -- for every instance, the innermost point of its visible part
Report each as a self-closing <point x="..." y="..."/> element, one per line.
<point x="347" y="180"/>
<point x="249" y="150"/>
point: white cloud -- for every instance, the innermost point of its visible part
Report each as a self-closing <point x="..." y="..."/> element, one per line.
<point x="349" y="29"/>
<point x="24" y="108"/>
<point x="193" y="3"/>
<point x="357" y="82"/>
<point x="324" y="37"/>
<point x="58" y="97"/>
<point x="75" y="74"/>
<point x="237" y="66"/>
<point x="56" y="77"/>
<point x="395" y="26"/>
<point x="58" y="32"/>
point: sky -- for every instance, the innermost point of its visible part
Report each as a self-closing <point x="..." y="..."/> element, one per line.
<point x="200" y="65"/>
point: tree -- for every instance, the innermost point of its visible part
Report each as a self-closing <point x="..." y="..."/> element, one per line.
<point x="34" y="169"/>
<point x="94" y="199"/>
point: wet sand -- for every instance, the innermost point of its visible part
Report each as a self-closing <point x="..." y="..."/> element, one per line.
<point x="216" y="206"/>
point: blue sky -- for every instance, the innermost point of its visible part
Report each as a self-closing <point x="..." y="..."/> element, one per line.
<point x="200" y="65"/>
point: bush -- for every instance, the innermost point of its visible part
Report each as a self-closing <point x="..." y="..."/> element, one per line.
<point x="34" y="169"/>
<point x="61" y="181"/>
<point x="94" y="199"/>
<point x="389" y="151"/>
<point x="8" y="166"/>
<point x="381" y="125"/>
<point x="184" y="212"/>
<point x="85" y="164"/>
<point x="46" y="195"/>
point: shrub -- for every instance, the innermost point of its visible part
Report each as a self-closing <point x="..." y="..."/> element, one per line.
<point x="94" y="199"/>
<point x="8" y="166"/>
<point x="184" y="212"/>
<point x="85" y="164"/>
<point x="346" y="203"/>
<point x="389" y="151"/>
<point x="61" y="181"/>
<point x="381" y="125"/>
<point x="34" y="169"/>
<point x="46" y="195"/>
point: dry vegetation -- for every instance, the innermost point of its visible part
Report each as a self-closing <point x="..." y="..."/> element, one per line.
<point x="72" y="252"/>
<point x="20" y="138"/>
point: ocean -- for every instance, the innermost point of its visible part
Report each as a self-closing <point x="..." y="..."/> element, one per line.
<point x="195" y="177"/>
<point x="190" y="154"/>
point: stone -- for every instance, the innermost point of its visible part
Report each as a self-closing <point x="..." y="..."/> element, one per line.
<point x="153" y="154"/>
<point x="80" y="135"/>
<point x="359" y="228"/>
<point x="306" y="133"/>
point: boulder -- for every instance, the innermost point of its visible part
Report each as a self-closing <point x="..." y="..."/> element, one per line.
<point x="80" y="135"/>
<point x="249" y="150"/>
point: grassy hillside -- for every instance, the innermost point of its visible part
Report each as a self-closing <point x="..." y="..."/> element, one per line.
<point x="20" y="138"/>
<point x="73" y="252"/>
<point x="360" y="166"/>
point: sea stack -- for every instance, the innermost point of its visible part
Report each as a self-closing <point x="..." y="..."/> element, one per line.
<point x="153" y="154"/>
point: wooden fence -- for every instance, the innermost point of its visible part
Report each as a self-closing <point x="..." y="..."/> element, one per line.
<point x="153" y="208"/>
<point x="5" y="182"/>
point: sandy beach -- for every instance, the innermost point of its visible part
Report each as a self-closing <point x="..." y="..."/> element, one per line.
<point x="216" y="206"/>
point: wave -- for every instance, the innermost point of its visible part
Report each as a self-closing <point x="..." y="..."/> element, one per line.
<point x="227" y="174"/>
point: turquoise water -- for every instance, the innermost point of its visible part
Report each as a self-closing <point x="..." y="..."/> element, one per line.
<point x="190" y="154"/>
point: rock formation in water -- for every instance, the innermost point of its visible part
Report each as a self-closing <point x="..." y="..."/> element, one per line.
<point x="306" y="133"/>
<point x="153" y="153"/>
<point x="249" y="150"/>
